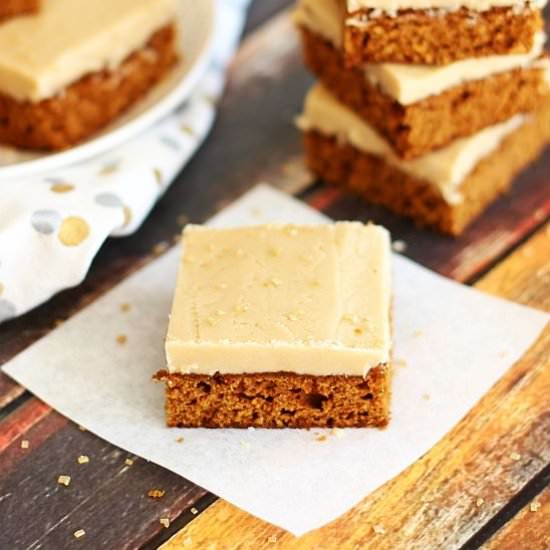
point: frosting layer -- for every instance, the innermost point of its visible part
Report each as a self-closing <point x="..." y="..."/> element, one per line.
<point x="409" y="84"/>
<point x="451" y="5"/>
<point x="42" y="54"/>
<point x="445" y="168"/>
<point x="304" y="299"/>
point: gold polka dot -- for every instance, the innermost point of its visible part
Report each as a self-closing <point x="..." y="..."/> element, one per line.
<point x="158" y="176"/>
<point x="127" y="216"/>
<point x="109" y="169"/>
<point x="73" y="231"/>
<point x="62" y="187"/>
<point x="186" y="129"/>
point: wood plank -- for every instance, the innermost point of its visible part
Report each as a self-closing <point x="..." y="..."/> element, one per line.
<point x="529" y="529"/>
<point x="442" y="500"/>
<point x="106" y="497"/>
<point x="22" y="420"/>
<point x="265" y="92"/>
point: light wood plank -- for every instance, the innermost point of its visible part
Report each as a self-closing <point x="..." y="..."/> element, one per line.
<point x="446" y="497"/>
<point x="529" y="529"/>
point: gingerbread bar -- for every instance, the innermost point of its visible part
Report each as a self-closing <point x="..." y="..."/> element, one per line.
<point x="12" y="8"/>
<point x="73" y="68"/>
<point x="437" y="32"/>
<point x="445" y="190"/>
<point x="421" y="108"/>
<point x="280" y="326"/>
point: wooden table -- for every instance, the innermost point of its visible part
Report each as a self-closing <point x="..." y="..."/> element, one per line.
<point x="485" y="483"/>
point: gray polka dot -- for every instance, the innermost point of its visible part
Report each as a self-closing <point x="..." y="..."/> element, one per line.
<point x="170" y="142"/>
<point x="109" y="199"/>
<point x="45" y="221"/>
<point x="7" y="310"/>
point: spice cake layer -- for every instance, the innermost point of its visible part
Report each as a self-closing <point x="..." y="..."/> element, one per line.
<point x="74" y="67"/>
<point x="280" y="326"/>
<point x="420" y="108"/>
<point x="437" y="31"/>
<point x="445" y="190"/>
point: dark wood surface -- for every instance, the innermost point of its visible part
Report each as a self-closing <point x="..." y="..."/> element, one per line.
<point x="253" y="140"/>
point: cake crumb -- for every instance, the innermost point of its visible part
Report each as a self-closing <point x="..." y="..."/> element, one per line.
<point x="156" y="493"/>
<point x="82" y="428"/>
<point x="272" y="539"/>
<point x="479" y="502"/>
<point x="83" y="459"/>
<point x="336" y="432"/>
<point x="399" y="246"/>
<point x="128" y="462"/>
<point x="515" y="456"/>
<point x="535" y="506"/>
<point x="64" y="480"/>
<point x="379" y="529"/>
<point x="417" y="333"/>
<point x="194" y="511"/>
<point x="426" y="396"/>
<point x="160" y="248"/>
<point x="165" y="522"/>
<point x="79" y="533"/>
<point x="24" y="443"/>
<point x="179" y="439"/>
<point x="125" y="307"/>
<point x="188" y="541"/>
<point x="121" y="339"/>
<point x="321" y="437"/>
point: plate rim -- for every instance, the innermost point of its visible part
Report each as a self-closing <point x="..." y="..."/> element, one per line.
<point x="124" y="133"/>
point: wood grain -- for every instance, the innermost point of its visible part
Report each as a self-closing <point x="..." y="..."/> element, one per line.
<point x="106" y="497"/>
<point x="265" y="91"/>
<point x="442" y="500"/>
<point x="529" y="529"/>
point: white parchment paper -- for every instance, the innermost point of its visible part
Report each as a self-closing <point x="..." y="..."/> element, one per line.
<point x="456" y="341"/>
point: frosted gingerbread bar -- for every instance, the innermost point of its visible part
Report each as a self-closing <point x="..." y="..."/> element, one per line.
<point x="446" y="189"/>
<point x="280" y="326"/>
<point x="74" y="67"/>
<point x="437" y="31"/>
<point x="419" y="108"/>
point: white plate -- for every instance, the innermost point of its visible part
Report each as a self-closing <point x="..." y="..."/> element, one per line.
<point x="196" y="26"/>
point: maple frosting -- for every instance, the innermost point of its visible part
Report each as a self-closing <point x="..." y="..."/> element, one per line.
<point x="42" y="54"/>
<point x="311" y="299"/>
<point x="445" y="168"/>
<point x="407" y="83"/>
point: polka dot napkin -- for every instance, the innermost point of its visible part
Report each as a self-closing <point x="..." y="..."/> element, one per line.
<point x="52" y="225"/>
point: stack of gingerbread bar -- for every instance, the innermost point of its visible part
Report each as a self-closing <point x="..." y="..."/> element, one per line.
<point x="428" y="107"/>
